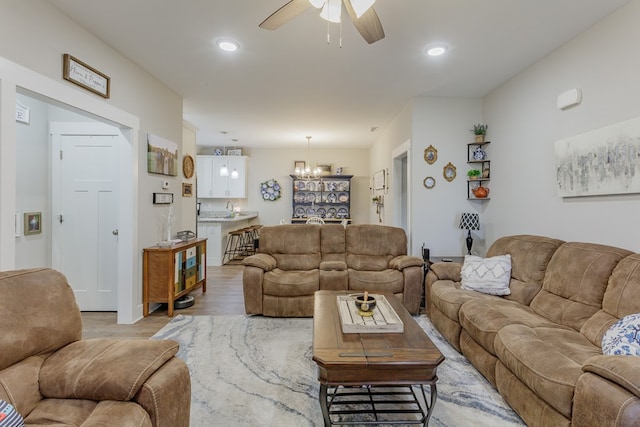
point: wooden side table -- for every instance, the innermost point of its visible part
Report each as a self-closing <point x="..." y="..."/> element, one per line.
<point x="172" y="272"/>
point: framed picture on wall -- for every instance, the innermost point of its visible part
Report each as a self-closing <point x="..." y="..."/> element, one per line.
<point x="187" y="189"/>
<point x="379" y="180"/>
<point x="32" y="223"/>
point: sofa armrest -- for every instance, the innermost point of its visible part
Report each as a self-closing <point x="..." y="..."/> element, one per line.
<point x="333" y="266"/>
<point x="166" y="395"/>
<point x="446" y="271"/>
<point x="263" y="261"/>
<point x="622" y="370"/>
<point x="403" y="261"/>
<point x="103" y="369"/>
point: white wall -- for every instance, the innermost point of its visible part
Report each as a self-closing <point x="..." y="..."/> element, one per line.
<point x="268" y="163"/>
<point x="444" y="123"/>
<point x="525" y="123"/>
<point x="34" y="61"/>
<point x="132" y="89"/>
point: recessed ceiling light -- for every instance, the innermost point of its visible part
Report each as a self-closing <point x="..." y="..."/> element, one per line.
<point x="228" y="45"/>
<point x="436" y="49"/>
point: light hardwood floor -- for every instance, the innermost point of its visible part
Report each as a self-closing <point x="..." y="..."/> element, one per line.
<point x="223" y="296"/>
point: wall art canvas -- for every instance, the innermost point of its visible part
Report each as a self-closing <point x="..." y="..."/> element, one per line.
<point x="162" y="156"/>
<point x="600" y="162"/>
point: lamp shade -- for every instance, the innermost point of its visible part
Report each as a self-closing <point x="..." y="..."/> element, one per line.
<point x="470" y="221"/>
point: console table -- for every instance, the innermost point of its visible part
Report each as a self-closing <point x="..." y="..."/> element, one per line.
<point x="172" y="272"/>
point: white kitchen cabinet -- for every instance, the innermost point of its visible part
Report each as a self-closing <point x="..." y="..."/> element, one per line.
<point x="212" y="185"/>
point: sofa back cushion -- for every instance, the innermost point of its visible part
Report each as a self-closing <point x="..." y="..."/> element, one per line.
<point x="332" y="242"/>
<point x="530" y="256"/>
<point x="621" y="298"/>
<point x="575" y="282"/>
<point x="39" y="314"/>
<point x="293" y="246"/>
<point x="370" y="247"/>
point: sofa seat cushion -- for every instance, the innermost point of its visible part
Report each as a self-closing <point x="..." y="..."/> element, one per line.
<point x="448" y="296"/>
<point x="482" y="319"/>
<point x="291" y="283"/>
<point x="548" y="360"/>
<point x="385" y="280"/>
<point x="75" y="412"/>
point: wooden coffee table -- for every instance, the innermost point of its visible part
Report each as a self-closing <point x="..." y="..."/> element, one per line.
<point x="371" y="374"/>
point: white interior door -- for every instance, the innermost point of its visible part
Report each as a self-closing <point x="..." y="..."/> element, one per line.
<point x="85" y="216"/>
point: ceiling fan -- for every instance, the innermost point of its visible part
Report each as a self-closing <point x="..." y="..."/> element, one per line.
<point x="361" y="12"/>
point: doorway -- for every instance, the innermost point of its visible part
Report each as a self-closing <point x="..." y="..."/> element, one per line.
<point x="401" y="188"/>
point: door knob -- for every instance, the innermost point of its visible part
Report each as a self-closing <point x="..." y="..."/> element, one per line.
<point x="115" y="232"/>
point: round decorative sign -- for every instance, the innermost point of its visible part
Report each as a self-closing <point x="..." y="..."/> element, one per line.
<point x="188" y="166"/>
<point x="270" y="190"/>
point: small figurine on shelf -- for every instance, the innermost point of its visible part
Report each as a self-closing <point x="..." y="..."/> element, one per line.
<point x="480" y="130"/>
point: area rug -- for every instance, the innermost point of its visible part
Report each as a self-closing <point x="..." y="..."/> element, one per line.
<point x="248" y="371"/>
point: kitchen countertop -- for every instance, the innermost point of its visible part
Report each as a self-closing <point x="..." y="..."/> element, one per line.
<point x="217" y="217"/>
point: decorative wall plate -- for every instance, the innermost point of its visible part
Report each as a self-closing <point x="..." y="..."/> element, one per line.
<point x="429" y="182"/>
<point x="188" y="166"/>
<point x="430" y="154"/>
<point x="449" y="172"/>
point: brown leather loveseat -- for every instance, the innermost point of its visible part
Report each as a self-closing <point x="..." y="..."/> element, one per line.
<point x="54" y="378"/>
<point x="295" y="261"/>
<point x="541" y="346"/>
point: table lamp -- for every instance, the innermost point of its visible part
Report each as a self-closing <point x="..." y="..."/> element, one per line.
<point x="469" y="221"/>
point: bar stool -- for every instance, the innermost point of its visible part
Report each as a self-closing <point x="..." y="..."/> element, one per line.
<point x="234" y="245"/>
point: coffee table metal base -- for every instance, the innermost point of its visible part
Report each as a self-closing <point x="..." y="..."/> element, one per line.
<point x="376" y="404"/>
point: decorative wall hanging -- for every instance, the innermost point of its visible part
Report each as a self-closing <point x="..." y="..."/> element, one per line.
<point x="270" y="190"/>
<point x="85" y="76"/>
<point x="429" y="182"/>
<point x="187" y="189"/>
<point x="603" y="161"/>
<point x="379" y="180"/>
<point x="32" y="223"/>
<point x="162" y="156"/>
<point x="430" y="154"/>
<point x="449" y="172"/>
<point x="188" y="166"/>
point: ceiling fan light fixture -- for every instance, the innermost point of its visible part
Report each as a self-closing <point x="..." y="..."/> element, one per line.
<point x="317" y="3"/>
<point x="227" y="45"/>
<point x="361" y="6"/>
<point x="331" y="11"/>
<point x="436" y="49"/>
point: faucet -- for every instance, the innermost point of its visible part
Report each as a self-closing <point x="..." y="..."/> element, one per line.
<point x="232" y="206"/>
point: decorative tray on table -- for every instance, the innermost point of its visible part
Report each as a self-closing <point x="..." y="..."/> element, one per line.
<point x="384" y="319"/>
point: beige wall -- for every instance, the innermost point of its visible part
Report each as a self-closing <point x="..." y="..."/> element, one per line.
<point x="525" y="123"/>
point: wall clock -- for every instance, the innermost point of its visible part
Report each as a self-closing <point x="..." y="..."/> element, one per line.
<point x="429" y="182"/>
<point x="188" y="166"/>
<point x="449" y="172"/>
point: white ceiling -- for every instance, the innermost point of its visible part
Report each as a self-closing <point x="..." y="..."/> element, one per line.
<point x="285" y="84"/>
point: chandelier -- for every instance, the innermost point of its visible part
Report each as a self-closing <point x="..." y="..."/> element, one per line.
<point x="306" y="172"/>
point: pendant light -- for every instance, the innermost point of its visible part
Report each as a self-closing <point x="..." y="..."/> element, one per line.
<point x="224" y="171"/>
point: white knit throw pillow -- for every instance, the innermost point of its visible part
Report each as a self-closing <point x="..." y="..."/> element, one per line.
<point x="487" y="275"/>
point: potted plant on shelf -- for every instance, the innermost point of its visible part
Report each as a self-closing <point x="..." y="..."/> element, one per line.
<point x="480" y="131"/>
<point x="473" y="174"/>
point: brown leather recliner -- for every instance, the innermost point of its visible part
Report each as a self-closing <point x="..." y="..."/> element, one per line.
<point x="53" y="377"/>
<point x="295" y="261"/>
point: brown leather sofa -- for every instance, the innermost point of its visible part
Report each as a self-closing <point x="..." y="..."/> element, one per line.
<point x="54" y="378"/>
<point x="295" y="261"/>
<point x="541" y="346"/>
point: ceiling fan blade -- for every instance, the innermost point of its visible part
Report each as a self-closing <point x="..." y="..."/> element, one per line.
<point x="368" y="25"/>
<point x="286" y="13"/>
